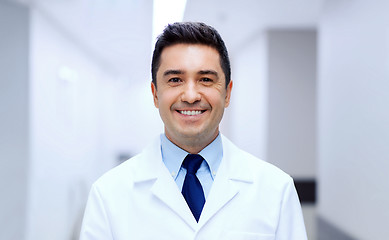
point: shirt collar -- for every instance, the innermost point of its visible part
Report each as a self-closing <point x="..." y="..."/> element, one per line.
<point x="173" y="156"/>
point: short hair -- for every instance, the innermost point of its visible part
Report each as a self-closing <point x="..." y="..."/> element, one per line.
<point x="190" y="33"/>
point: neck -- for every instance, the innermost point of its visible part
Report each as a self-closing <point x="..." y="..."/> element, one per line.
<point x="193" y="145"/>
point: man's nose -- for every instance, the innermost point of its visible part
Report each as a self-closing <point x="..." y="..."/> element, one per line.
<point x="191" y="93"/>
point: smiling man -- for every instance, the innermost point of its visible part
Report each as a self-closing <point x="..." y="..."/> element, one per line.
<point x="192" y="182"/>
<point x="191" y="93"/>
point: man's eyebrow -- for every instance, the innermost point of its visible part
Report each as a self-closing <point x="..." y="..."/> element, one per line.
<point x="172" y="72"/>
<point x="208" y="72"/>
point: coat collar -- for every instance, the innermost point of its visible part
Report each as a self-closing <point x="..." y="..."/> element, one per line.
<point x="233" y="171"/>
<point x="236" y="161"/>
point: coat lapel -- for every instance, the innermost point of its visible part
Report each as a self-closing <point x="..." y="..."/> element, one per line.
<point x="232" y="172"/>
<point x="223" y="190"/>
<point x="152" y="168"/>
<point x="167" y="191"/>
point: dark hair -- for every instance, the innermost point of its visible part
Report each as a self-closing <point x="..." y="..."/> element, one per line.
<point x="191" y="33"/>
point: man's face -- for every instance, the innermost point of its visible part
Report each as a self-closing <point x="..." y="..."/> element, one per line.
<point x="191" y="93"/>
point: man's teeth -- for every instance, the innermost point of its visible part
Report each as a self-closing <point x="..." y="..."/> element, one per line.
<point x="190" y="113"/>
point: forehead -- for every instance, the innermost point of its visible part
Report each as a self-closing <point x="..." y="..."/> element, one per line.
<point x="190" y="56"/>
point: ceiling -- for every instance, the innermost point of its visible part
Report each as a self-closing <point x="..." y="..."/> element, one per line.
<point x="119" y="32"/>
<point x="238" y="20"/>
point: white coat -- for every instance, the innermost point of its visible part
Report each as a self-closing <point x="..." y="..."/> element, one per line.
<point x="249" y="199"/>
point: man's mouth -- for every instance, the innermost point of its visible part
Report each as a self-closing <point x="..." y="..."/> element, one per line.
<point x="191" y="113"/>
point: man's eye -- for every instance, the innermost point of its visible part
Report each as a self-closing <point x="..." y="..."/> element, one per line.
<point x="206" y="80"/>
<point x="174" y="80"/>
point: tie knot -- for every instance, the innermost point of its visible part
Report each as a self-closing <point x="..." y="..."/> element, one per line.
<point x="192" y="163"/>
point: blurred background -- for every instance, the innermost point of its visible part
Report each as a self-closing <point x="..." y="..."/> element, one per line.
<point x="311" y="95"/>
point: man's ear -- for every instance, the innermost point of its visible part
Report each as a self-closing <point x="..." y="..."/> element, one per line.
<point x="154" y="92"/>
<point x="228" y="94"/>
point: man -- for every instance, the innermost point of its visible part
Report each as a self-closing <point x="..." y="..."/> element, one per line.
<point x="192" y="182"/>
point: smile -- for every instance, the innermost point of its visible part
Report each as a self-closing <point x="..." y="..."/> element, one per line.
<point x="191" y="113"/>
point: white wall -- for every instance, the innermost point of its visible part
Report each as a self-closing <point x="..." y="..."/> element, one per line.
<point x="66" y="150"/>
<point x="245" y="121"/>
<point x="292" y="101"/>
<point x="83" y="117"/>
<point x="354" y="117"/>
<point x="14" y="149"/>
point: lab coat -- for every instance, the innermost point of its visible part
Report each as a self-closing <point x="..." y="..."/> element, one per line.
<point x="249" y="199"/>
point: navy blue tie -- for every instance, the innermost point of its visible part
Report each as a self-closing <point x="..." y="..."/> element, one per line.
<point x="192" y="190"/>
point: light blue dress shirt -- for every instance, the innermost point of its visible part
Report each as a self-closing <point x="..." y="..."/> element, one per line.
<point x="173" y="156"/>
